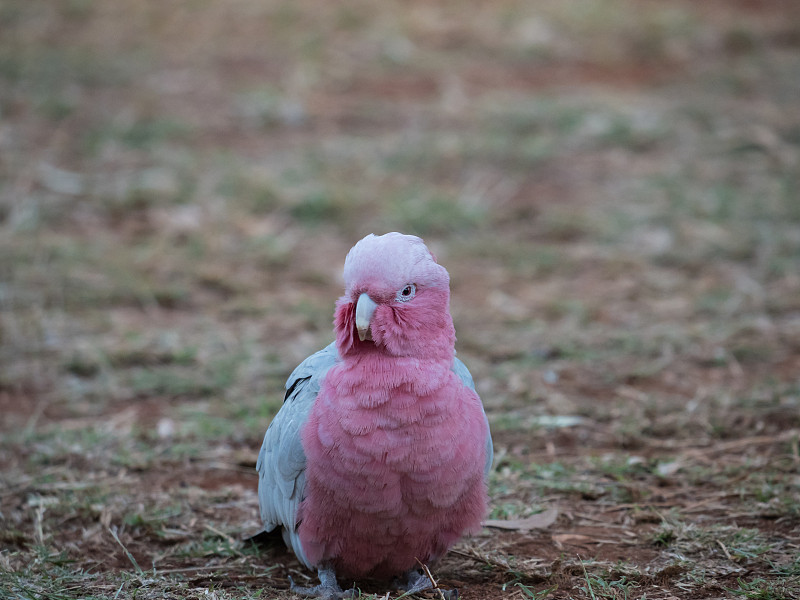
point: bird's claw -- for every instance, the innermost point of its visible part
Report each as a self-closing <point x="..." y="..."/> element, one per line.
<point x="420" y="582"/>
<point x="325" y="590"/>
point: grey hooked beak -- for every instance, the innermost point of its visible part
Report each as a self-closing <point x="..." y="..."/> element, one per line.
<point x="365" y="308"/>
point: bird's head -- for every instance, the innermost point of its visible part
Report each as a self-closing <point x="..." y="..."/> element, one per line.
<point x="396" y="300"/>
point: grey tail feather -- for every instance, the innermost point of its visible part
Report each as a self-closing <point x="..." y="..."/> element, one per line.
<point x="267" y="540"/>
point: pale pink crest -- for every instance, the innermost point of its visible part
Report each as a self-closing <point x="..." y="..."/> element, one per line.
<point x="386" y="263"/>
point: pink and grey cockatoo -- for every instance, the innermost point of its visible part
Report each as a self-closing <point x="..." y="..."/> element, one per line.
<point x="379" y="456"/>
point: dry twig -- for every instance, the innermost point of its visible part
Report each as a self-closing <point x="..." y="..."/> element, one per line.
<point x="427" y="572"/>
<point x="725" y="550"/>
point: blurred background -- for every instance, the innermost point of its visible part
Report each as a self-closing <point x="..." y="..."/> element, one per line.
<point x="613" y="186"/>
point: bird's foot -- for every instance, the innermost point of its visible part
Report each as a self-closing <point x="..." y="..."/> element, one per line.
<point x="328" y="588"/>
<point x="419" y="582"/>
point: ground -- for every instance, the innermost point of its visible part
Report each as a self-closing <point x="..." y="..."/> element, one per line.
<point x="613" y="185"/>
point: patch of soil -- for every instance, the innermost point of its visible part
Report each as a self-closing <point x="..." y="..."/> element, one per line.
<point x="16" y="408"/>
<point x="537" y="77"/>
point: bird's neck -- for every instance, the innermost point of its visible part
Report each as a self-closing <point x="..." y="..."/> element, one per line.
<point x="418" y="375"/>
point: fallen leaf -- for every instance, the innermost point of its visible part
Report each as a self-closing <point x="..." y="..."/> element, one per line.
<point x="669" y="468"/>
<point x="541" y="520"/>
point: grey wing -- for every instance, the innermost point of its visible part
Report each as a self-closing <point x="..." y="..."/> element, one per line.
<point x="282" y="462"/>
<point x="460" y="369"/>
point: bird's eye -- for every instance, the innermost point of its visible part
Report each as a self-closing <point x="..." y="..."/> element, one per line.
<point x="407" y="293"/>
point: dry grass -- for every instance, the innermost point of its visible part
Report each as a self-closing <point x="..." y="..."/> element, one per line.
<point x="614" y="187"/>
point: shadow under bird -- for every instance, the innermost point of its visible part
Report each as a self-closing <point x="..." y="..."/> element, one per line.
<point x="377" y="461"/>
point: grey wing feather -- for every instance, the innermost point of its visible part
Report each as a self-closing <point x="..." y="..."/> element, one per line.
<point x="460" y="369"/>
<point x="282" y="462"/>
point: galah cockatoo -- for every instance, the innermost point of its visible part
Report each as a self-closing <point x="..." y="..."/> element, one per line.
<point x="377" y="461"/>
